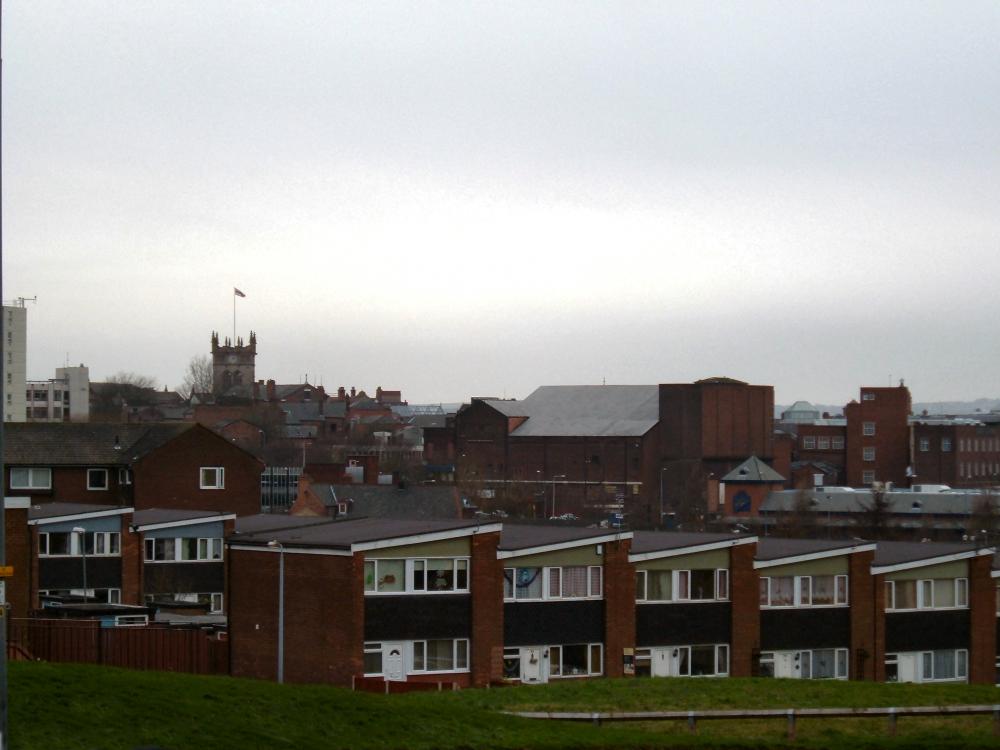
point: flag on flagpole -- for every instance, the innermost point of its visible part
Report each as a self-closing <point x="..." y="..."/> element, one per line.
<point x="238" y="293"/>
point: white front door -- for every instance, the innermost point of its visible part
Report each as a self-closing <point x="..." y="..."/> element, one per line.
<point x="533" y="664"/>
<point x="907" y="666"/>
<point x="392" y="655"/>
<point x="660" y="660"/>
<point x="786" y="665"/>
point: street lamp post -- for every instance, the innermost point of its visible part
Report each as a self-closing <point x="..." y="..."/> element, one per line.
<point x="83" y="552"/>
<point x="274" y="543"/>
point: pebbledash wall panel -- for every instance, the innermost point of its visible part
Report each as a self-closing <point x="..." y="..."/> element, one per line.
<point x="552" y="623"/>
<point x="194" y="577"/>
<point x="67" y="572"/>
<point x="805" y="628"/>
<point x="682" y="624"/>
<point x="418" y="617"/>
<point x="923" y="631"/>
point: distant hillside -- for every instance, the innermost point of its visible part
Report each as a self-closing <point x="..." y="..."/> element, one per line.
<point x="980" y="405"/>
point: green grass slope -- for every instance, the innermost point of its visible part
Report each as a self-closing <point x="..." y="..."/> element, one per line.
<point x="53" y="707"/>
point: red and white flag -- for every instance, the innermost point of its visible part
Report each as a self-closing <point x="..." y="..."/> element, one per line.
<point x="238" y="293"/>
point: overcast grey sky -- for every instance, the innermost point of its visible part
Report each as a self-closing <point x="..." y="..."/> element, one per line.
<point x="472" y="198"/>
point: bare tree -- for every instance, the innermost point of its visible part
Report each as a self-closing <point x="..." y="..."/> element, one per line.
<point x="875" y="516"/>
<point x="134" y="379"/>
<point x="198" y="378"/>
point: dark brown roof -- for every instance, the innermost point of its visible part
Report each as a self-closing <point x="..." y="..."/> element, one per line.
<point x="896" y="553"/>
<point x="342" y="534"/>
<point x="657" y="541"/>
<point x="774" y="548"/>
<point x="272" y="522"/>
<point x="171" y="515"/>
<point x="525" y="536"/>
<point x="83" y="444"/>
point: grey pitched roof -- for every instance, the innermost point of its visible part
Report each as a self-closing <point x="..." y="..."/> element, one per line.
<point x="263" y="522"/>
<point x="900" y="503"/>
<point x="895" y="553"/>
<point x="659" y="541"/>
<point x="585" y="410"/>
<point x="171" y="515"/>
<point x="517" y="536"/>
<point x="753" y="470"/>
<point x="342" y="534"/>
<point x="57" y="510"/>
<point x="507" y="407"/>
<point x="83" y="444"/>
<point x="775" y="548"/>
<point x="381" y="501"/>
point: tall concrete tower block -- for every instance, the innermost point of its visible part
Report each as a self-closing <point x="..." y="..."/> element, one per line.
<point x="15" y="362"/>
<point x="233" y="366"/>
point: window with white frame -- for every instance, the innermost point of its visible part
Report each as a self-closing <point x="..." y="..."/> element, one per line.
<point x="867" y="477"/>
<point x="927" y="593"/>
<point x="946" y="445"/>
<point x="868" y="453"/>
<point x="103" y="543"/>
<point x="57" y="544"/>
<point x="108" y="596"/>
<point x="30" y="478"/>
<point x="576" y="660"/>
<point x="550" y="583"/>
<point x="838" y="444"/>
<point x="372" y="659"/>
<point x="809" y="442"/>
<point x="816" y="664"/>
<point x="441" y="655"/>
<point x="706" y="584"/>
<point x="423" y="575"/>
<point x="97" y="479"/>
<point x="690" y="661"/>
<point x="212" y="477"/>
<point x="944" y="665"/>
<point x="211" y="600"/>
<point x="867" y="396"/>
<point x="183" y="549"/>
<point x="868" y="429"/>
<point x="804" y="591"/>
<point x="823" y="443"/>
<point x="124" y="476"/>
<point x="67" y="544"/>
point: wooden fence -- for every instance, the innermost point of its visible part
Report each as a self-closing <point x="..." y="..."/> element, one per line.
<point x="145" y="647"/>
<point x="790" y="715"/>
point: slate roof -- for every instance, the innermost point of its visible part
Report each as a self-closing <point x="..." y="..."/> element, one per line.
<point x="660" y="541"/>
<point x="381" y="501"/>
<point x="342" y="534"/>
<point x="896" y="553"/>
<point x="517" y="536"/>
<point x="262" y="522"/>
<point x="83" y="444"/>
<point x="585" y="410"/>
<point x="753" y="470"/>
<point x="775" y="548"/>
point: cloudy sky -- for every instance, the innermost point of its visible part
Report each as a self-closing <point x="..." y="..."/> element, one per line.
<point x="470" y="198"/>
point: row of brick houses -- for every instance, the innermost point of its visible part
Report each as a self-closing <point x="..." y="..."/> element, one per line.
<point x="473" y="604"/>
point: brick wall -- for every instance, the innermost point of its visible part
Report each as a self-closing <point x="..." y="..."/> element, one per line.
<point x="878" y="645"/>
<point x="863" y="614"/>
<point x="619" y="606"/>
<point x="487" y="610"/>
<point x="745" y="597"/>
<point x="324" y="616"/>
<point x="169" y="477"/>
<point x="18" y="554"/>
<point x="983" y="621"/>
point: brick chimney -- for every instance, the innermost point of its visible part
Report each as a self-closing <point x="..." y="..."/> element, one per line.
<point x="270" y="390"/>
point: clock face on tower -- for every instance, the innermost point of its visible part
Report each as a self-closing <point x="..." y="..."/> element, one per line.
<point x="231" y="359"/>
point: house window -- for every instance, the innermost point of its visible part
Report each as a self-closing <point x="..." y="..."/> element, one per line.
<point x="838" y="444"/>
<point x="569" y="582"/>
<point x="946" y="664"/>
<point x="804" y="591"/>
<point x="937" y="593"/>
<point x="97" y="479"/>
<point x="443" y="655"/>
<point x="443" y="575"/>
<point x="57" y="544"/>
<point x="124" y="476"/>
<point x="823" y="443"/>
<point x="946" y="445"/>
<point x="696" y="661"/>
<point x="867" y="396"/>
<point x="212" y="477"/>
<point x="682" y="585"/>
<point x="373" y="659"/>
<point x="868" y="429"/>
<point x="809" y="442"/>
<point x="576" y="660"/>
<point x="867" y="477"/>
<point x="819" y="664"/>
<point x="925" y="444"/>
<point x="106" y="543"/>
<point x="868" y="453"/>
<point x="22" y="478"/>
<point x="216" y="603"/>
<point x="183" y="549"/>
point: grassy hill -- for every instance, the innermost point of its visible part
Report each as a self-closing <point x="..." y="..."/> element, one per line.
<point x="53" y="707"/>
